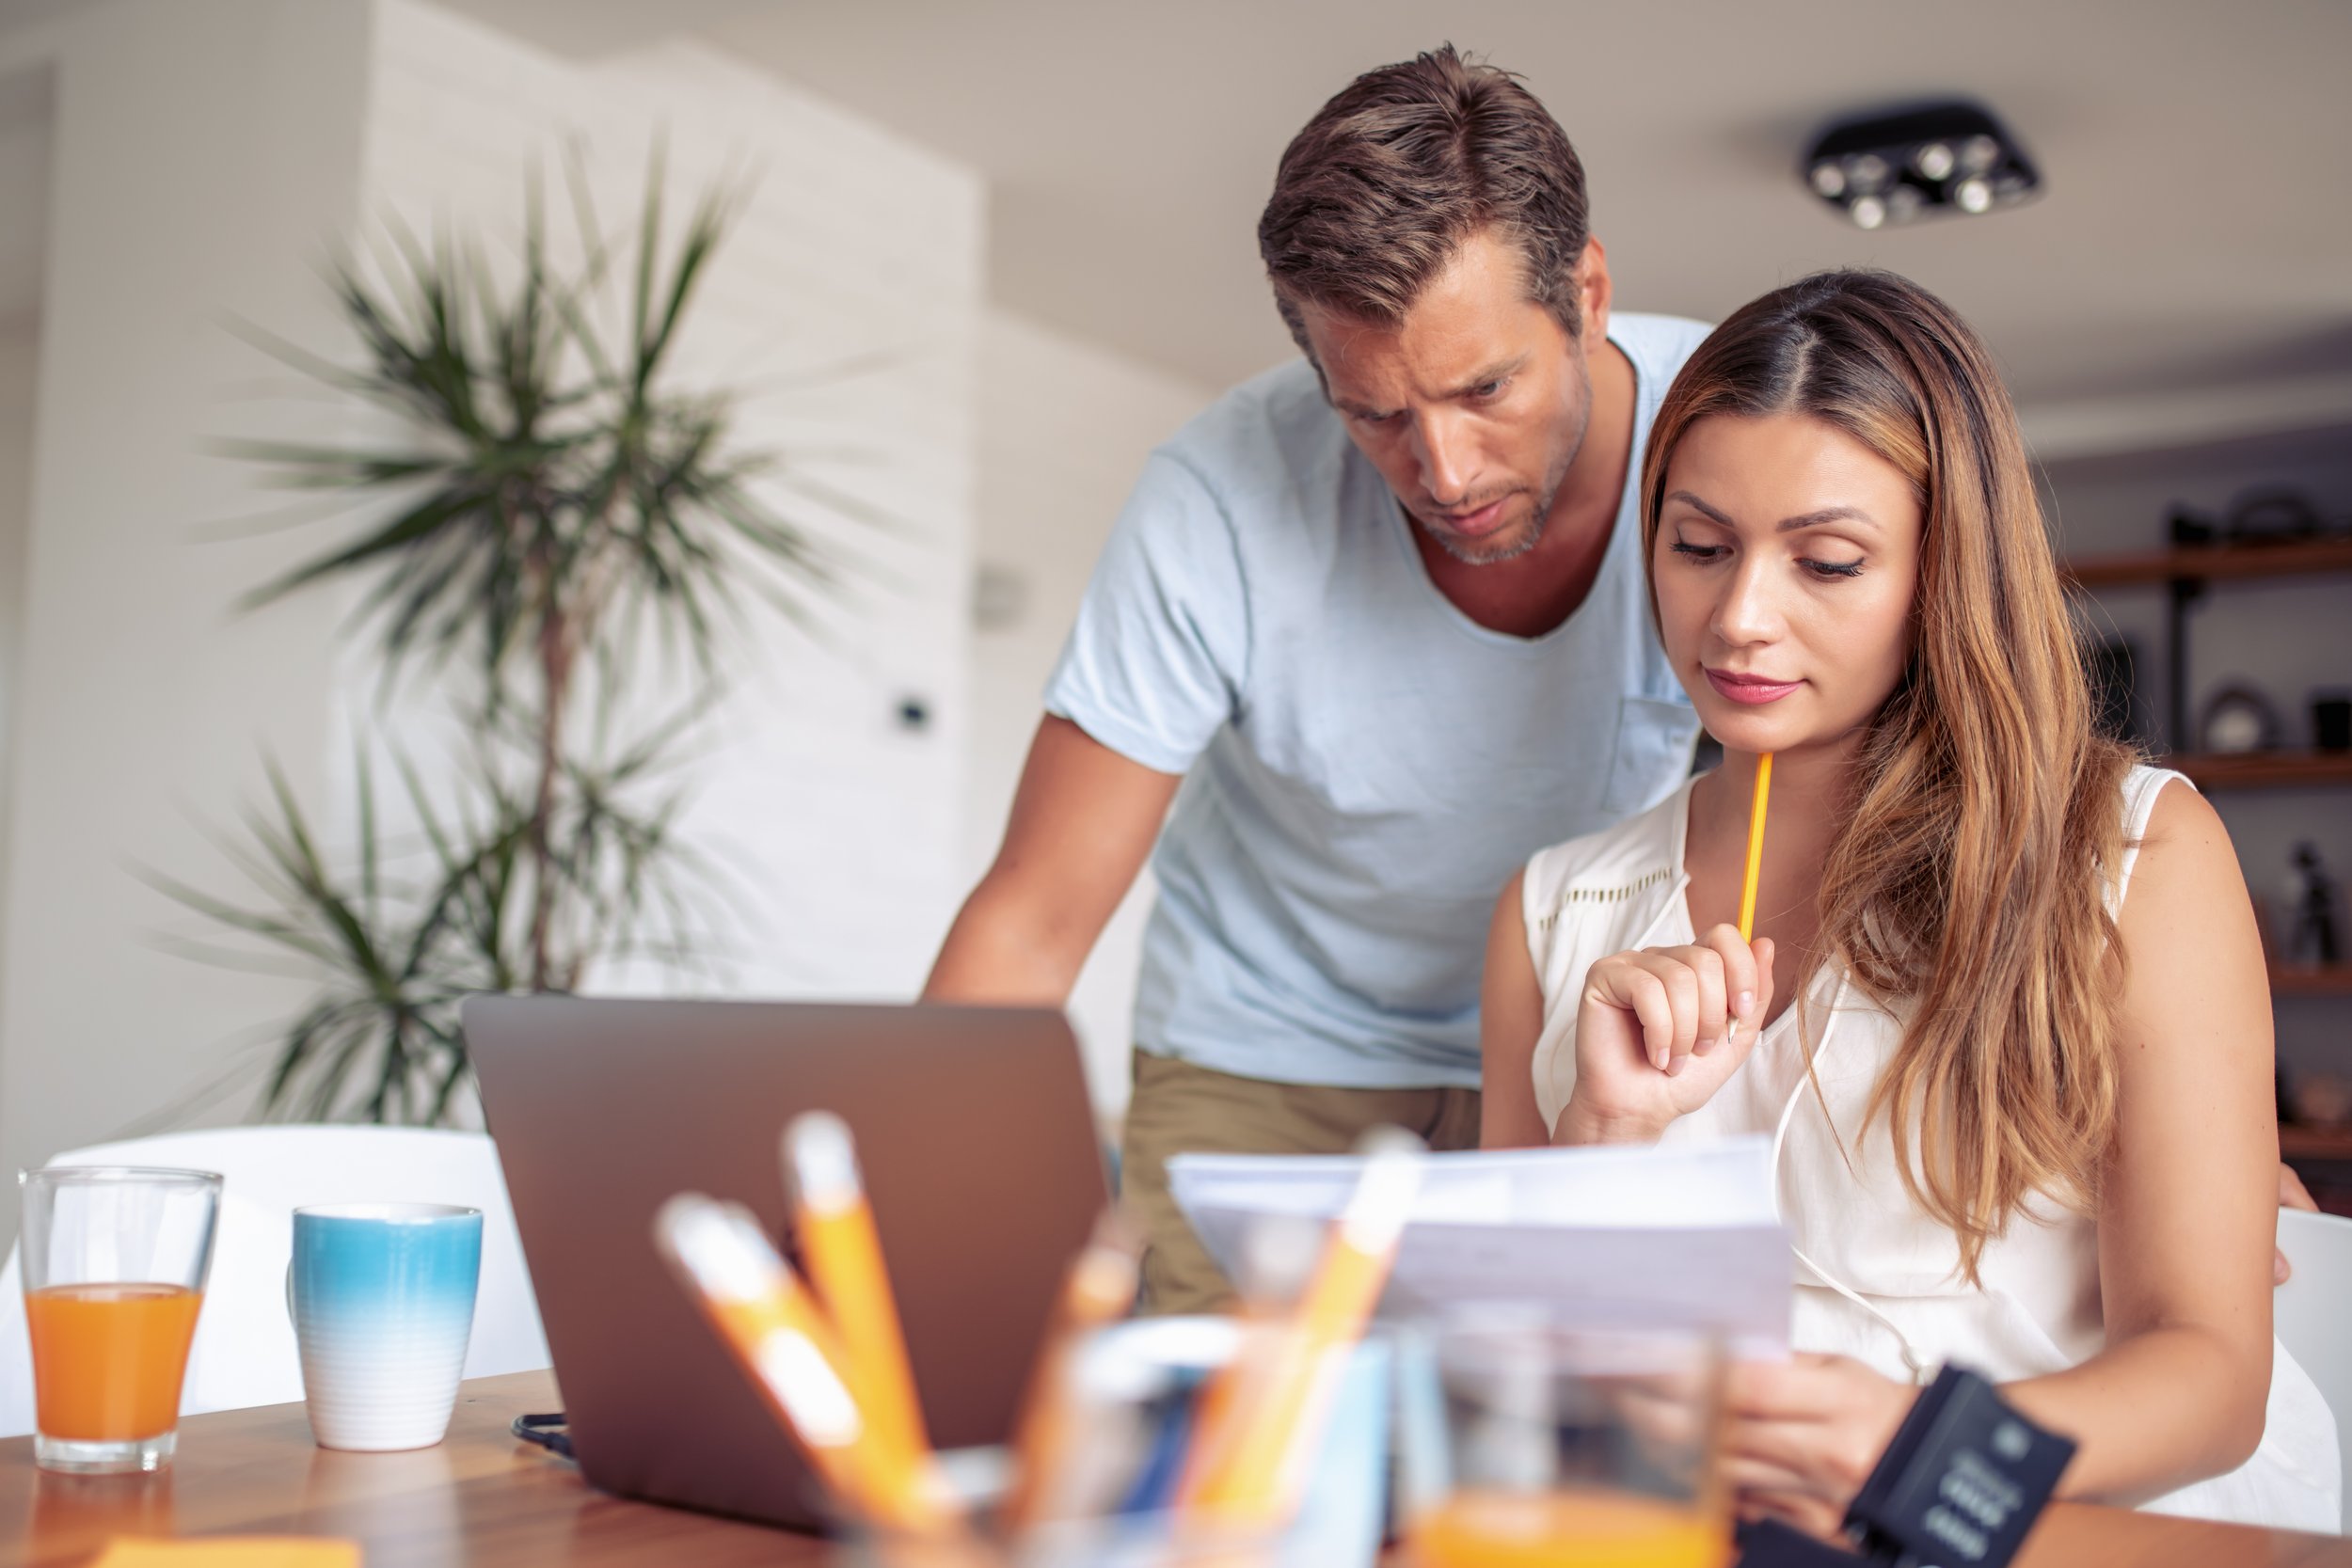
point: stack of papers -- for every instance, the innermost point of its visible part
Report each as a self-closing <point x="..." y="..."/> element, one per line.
<point x="1609" y="1237"/>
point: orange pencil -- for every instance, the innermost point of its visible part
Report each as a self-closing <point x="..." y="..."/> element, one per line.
<point x="781" y="1338"/>
<point x="1256" y="1453"/>
<point x="1277" y="1262"/>
<point x="845" y="1264"/>
<point x="1099" y="1289"/>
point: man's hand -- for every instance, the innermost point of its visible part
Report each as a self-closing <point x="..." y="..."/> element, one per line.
<point x="1659" y="1030"/>
<point x="2291" y="1195"/>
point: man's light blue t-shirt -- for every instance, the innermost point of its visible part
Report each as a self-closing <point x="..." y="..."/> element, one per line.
<point x="1365" y="766"/>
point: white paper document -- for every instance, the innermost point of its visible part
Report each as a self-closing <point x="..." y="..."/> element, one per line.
<point x="1612" y="1236"/>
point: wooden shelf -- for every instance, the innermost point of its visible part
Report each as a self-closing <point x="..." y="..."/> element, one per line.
<point x="2263" y="769"/>
<point x="2314" y="1143"/>
<point x="2210" y="562"/>
<point x="2311" y="979"/>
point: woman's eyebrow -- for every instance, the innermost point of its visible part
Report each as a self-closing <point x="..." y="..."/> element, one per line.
<point x="1826" y="515"/>
<point x="1787" y="525"/>
<point x="1697" y="505"/>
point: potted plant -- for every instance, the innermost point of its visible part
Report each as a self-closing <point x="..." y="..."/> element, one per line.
<point x="552" y="503"/>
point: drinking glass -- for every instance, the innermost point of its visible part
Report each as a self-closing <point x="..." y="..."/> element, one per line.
<point x="115" y="1261"/>
<point x="1526" y="1441"/>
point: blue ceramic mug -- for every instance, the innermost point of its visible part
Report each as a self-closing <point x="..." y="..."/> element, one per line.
<point x="382" y="1297"/>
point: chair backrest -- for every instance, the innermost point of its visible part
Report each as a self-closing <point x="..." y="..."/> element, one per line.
<point x="244" y="1347"/>
<point x="2313" y="1317"/>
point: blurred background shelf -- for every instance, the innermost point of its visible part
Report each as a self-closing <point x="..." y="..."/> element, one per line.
<point x="2213" y="561"/>
<point x="2263" y="769"/>
<point x="2311" y="979"/>
<point x="2184" y="574"/>
<point x="2314" y="1143"/>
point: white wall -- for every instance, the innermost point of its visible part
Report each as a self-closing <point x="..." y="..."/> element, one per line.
<point x="147" y="701"/>
<point x="842" y="825"/>
<point x="27" y="112"/>
<point x="1064" y="427"/>
<point x="201" y="156"/>
<point x="19" y="369"/>
<point x="207" y="160"/>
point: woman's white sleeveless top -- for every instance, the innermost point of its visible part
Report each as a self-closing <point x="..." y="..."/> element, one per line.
<point x="1878" y="1278"/>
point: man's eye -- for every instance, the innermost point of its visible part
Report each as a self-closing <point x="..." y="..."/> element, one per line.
<point x="1697" y="552"/>
<point x="1487" y="389"/>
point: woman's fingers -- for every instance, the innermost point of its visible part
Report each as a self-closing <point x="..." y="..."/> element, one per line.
<point x="1715" y="993"/>
<point x="1682" y="1005"/>
<point x="1745" y="1473"/>
<point x="1791" y="1390"/>
<point x="1679" y="970"/>
<point x="1747" y="975"/>
<point x="1735" y="962"/>
<point x="1689" y="1000"/>
<point x="1816" y="1517"/>
<point x="1831" y="1458"/>
<point x="1625" y="981"/>
<point x="1824" y="1419"/>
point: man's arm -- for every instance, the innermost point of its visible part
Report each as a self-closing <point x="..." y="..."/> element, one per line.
<point x="1082" y="820"/>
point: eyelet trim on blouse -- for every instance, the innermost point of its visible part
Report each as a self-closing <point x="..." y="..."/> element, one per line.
<point x="1614" y="893"/>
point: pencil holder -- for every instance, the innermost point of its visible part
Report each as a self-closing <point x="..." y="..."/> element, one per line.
<point x="1111" y="1507"/>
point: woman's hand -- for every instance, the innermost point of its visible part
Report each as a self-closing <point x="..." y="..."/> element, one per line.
<point x="1658" y="1032"/>
<point x="1801" y="1436"/>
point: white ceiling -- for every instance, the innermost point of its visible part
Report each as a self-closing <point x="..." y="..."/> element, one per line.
<point x="2195" y="227"/>
<point x="2195" y="231"/>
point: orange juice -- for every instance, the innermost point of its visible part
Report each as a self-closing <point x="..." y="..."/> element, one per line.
<point x="107" y="1359"/>
<point x="1565" y="1529"/>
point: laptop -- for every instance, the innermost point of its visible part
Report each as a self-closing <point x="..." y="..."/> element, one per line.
<point x="981" y="1162"/>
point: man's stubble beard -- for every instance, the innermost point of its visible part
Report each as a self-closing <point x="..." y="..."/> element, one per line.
<point x="1470" y="556"/>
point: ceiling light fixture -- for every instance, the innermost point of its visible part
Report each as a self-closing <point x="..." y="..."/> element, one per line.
<point x="1891" y="168"/>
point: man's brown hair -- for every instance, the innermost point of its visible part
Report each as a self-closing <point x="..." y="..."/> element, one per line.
<point x="1373" y="196"/>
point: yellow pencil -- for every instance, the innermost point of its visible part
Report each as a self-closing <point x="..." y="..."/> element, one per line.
<point x="1756" y="845"/>
<point x="1256" y="1457"/>
<point x="845" y="1264"/>
<point x="1755" y="863"/>
<point x="782" y="1340"/>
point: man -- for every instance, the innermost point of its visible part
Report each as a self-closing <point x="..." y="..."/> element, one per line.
<point x="1380" y="614"/>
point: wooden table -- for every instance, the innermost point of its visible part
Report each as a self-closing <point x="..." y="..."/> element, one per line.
<point x="482" y="1497"/>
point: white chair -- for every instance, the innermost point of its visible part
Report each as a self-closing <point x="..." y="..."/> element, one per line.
<point x="2313" y="1317"/>
<point x="244" y="1346"/>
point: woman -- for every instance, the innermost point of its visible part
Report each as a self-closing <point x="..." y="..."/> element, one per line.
<point x="2021" y="1121"/>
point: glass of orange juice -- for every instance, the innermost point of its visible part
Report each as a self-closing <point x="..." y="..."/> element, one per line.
<point x="1526" y="1441"/>
<point x="115" y="1261"/>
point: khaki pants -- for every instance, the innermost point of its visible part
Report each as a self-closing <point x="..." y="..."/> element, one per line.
<point x="1181" y="1109"/>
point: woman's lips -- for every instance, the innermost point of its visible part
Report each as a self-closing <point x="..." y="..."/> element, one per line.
<point x="1749" y="688"/>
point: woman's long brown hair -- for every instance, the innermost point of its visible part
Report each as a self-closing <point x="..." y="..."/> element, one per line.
<point x="1969" y="881"/>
